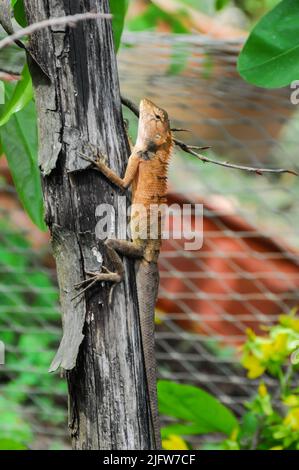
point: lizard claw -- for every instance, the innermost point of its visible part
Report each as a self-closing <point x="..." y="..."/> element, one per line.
<point x="85" y="157"/>
<point x="104" y="275"/>
<point x="94" y="155"/>
<point x="96" y="162"/>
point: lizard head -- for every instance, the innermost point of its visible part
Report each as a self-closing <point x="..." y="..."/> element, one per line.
<point x="154" y="127"/>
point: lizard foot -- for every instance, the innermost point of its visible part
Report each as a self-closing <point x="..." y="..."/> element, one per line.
<point x="94" y="156"/>
<point x="104" y="275"/>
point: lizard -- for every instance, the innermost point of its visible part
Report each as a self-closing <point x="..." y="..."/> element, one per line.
<point x="146" y="173"/>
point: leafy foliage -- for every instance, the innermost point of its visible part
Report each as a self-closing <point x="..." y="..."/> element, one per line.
<point x="29" y="348"/>
<point x="19" y="143"/>
<point x="266" y="424"/>
<point x="14" y="429"/>
<point x="10" y="444"/>
<point x="270" y="57"/>
<point x="19" y="13"/>
<point x="22" y="95"/>
<point x="194" y="406"/>
<point x="118" y="9"/>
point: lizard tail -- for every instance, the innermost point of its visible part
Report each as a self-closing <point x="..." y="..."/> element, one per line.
<point x="147" y="277"/>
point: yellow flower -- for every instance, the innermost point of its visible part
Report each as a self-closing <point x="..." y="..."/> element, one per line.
<point x="292" y="419"/>
<point x="267" y="349"/>
<point x="280" y="344"/>
<point x="289" y="322"/>
<point x="255" y="368"/>
<point x="174" y="442"/>
<point x="262" y="390"/>
<point x="274" y="347"/>
<point x="292" y="401"/>
<point x="250" y="333"/>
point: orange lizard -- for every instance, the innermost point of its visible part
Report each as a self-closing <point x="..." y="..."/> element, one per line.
<point x="147" y="174"/>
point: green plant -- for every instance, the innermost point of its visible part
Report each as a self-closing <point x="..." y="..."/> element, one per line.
<point x="270" y="56"/>
<point x="118" y="9"/>
<point x="270" y="420"/>
<point x="28" y="316"/>
<point x="275" y="415"/>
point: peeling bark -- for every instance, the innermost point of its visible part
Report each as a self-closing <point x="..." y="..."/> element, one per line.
<point x="101" y="348"/>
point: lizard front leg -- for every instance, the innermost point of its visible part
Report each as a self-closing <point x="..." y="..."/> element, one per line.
<point x="123" y="183"/>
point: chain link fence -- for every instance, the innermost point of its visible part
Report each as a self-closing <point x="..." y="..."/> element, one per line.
<point x="246" y="273"/>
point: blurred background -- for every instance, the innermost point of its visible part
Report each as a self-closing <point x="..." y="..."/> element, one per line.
<point x="181" y="54"/>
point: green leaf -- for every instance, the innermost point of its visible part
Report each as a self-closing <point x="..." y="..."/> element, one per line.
<point x="184" y="430"/>
<point x="9" y="444"/>
<point x="19" y="141"/>
<point x="270" y="56"/>
<point x="22" y="95"/>
<point x="193" y="405"/>
<point x="220" y="4"/>
<point x="118" y="9"/>
<point x="19" y="13"/>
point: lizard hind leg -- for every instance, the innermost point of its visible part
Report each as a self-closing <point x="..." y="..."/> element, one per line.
<point x="114" y="246"/>
<point x="103" y="276"/>
<point x="95" y="276"/>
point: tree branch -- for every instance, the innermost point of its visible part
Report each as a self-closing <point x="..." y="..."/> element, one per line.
<point x="191" y="150"/>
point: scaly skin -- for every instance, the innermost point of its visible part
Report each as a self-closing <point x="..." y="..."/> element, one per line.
<point x="147" y="174"/>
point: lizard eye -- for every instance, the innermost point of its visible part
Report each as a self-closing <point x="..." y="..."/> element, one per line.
<point x="158" y="117"/>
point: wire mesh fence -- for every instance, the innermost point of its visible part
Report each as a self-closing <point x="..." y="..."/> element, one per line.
<point x="245" y="274"/>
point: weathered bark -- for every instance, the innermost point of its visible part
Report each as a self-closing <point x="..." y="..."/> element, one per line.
<point x="108" y="403"/>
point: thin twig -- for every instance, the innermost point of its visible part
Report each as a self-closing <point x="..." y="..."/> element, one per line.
<point x="179" y="129"/>
<point x="188" y="148"/>
<point x="130" y="105"/>
<point x="191" y="150"/>
<point x="63" y="20"/>
<point x="249" y="169"/>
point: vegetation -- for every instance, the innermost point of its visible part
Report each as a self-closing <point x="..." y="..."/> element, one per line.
<point x="28" y="316"/>
<point x="270" y="419"/>
<point x="270" y="56"/>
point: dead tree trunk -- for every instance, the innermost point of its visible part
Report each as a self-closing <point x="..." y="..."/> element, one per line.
<point x="80" y="103"/>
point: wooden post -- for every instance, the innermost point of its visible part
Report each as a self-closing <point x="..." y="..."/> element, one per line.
<point x="78" y="103"/>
